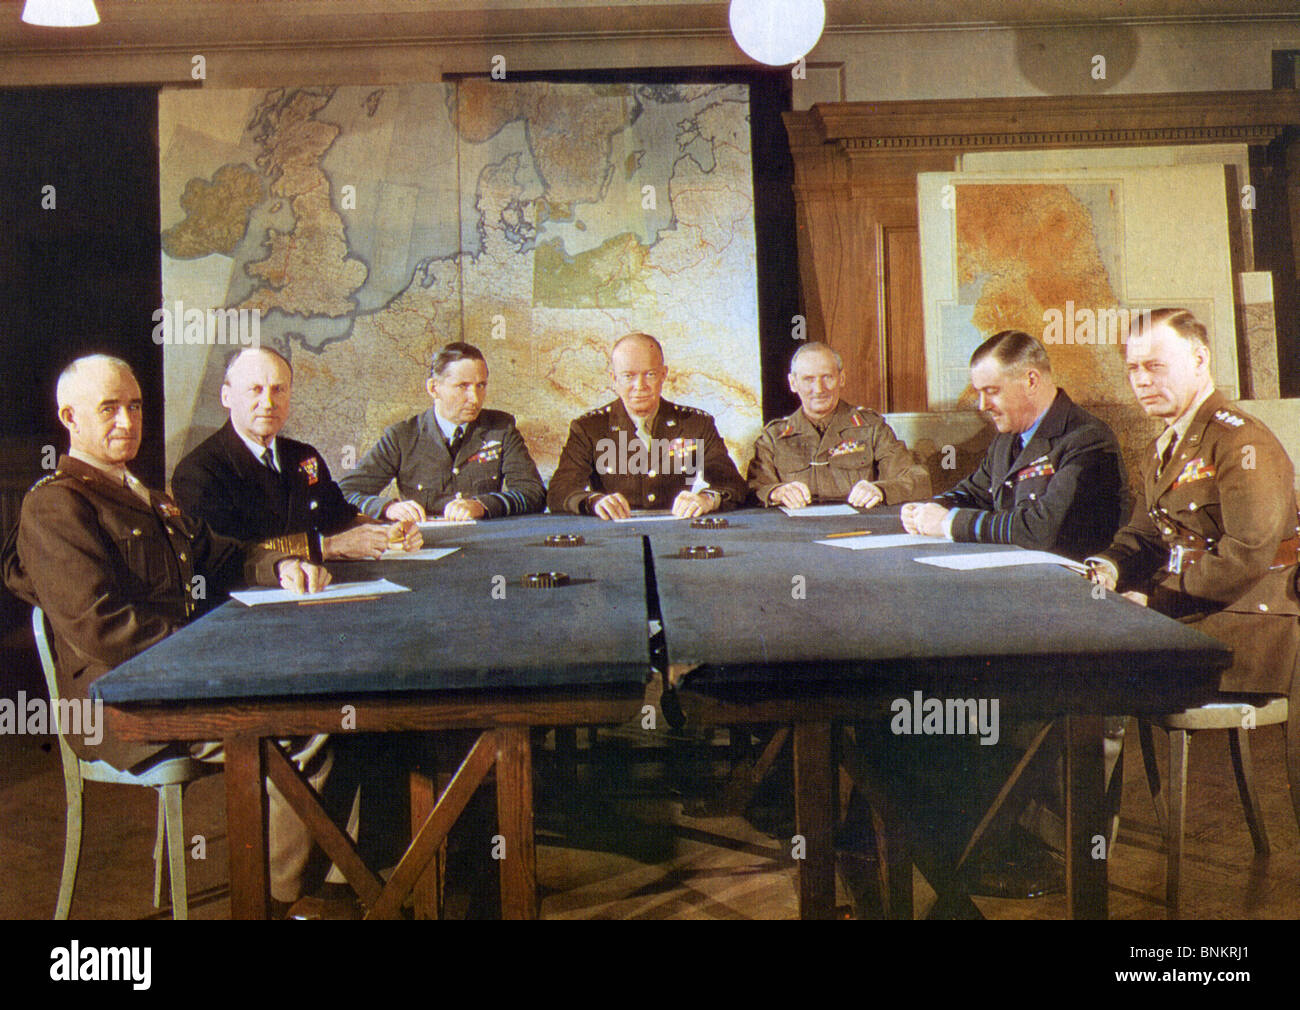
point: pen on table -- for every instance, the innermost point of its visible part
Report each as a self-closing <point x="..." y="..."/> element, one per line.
<point x="336" y="599"/>
<point x="848" y="533"/>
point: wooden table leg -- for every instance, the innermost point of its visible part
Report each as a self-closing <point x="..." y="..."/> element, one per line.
<point x="813" y="785"/>
<point x="423" y="791"/>
<point x="515" y="822"/>
<point x="1087" y="824"/>
<point x="247" y="813"/>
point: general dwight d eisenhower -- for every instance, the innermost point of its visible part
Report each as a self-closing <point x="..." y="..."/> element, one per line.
<point x="603" y="472"/>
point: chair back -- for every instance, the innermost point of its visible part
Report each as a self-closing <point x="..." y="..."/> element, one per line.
<point x="42" y="632"/>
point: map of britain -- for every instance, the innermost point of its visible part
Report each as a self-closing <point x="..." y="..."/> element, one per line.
<point x="366" y="227"/>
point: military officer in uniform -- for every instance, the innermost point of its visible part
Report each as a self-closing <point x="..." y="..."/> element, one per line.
<point x="1213" y="537"/>
<point x="641" y="451"/>
<point x="456" y="460"/>
<point x="250" y="482"/>
<point x="1052" y="479"/>
<point x="113" y="565"/>
<point x="829" y="451"/>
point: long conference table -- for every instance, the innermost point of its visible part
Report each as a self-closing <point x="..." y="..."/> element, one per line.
<point x="775" y="629"/>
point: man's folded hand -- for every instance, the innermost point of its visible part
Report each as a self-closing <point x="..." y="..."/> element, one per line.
<point x="299" y="576"/>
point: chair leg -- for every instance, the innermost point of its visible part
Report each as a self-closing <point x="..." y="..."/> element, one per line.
<point x="1177" y="819"/>
<point x="1292" y="730"/>
<point x="71" y="844"/>
<point x="1243" y="766"/>
<point x="159" y="840"/>
<point x="1147" y="744"/>
<point x="172" y="800"/>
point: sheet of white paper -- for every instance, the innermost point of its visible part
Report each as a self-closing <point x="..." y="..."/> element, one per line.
<point x="820" y="511"/>
<point x="425" y="554"/>
<point x="650" y="517"/>
<point x="437" y="524"/>
<point x="337" y="591"/>
<point x="999" y="559"/>
<point x="866" y="543"/>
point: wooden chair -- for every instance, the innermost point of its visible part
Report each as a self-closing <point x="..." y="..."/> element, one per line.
<point x="1225" y="715"/>
<point x="168" y="777"/>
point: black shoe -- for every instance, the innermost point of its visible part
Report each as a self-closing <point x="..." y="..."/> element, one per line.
<point x="1020" y="866"/>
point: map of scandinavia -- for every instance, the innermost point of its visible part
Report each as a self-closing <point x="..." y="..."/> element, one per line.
<point x="538" y="221"/>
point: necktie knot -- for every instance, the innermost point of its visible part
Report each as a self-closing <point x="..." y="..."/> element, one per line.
<point x="457" y="437"/>
<point x="268" y="460"/>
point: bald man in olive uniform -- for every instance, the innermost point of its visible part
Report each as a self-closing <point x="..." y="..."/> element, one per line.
<point x="828" y="450"/>
<point x="1213" y="538"/>
<point x="112" y="563"/>
<point x="641" y="451"/>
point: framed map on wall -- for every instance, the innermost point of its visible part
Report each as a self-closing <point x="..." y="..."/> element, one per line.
<point x="1069" y="256"/>
<point x="360" y="228"/>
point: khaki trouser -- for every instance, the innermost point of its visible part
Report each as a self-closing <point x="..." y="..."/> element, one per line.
<point x="288" y="839"/>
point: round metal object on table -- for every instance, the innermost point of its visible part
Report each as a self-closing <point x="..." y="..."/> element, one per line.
<point x="710" y="523"/>
<point x="564" y="540"/>
<point x="545" y="580"/>
<point x="700" y="552"/>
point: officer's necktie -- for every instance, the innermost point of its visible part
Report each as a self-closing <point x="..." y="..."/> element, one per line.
<point x="1020" y="445"/>
<point x="268" y="460"/>
<point x="457" y="437"/>
<point x="1166" y="456"/>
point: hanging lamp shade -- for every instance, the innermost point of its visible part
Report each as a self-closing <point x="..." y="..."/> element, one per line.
<point x="60" y="13"/>
<point x="777" y="32"/>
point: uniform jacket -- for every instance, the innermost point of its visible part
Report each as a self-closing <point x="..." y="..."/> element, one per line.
<point x="1227" y="491"/>
<point x="1065" y="492"/>
<point x="114" y="575"/>
<point x="492" y="465"/>
<point x="858" y="445"/>
<point x="226" y="486"/>
<point x="604" y="455"/>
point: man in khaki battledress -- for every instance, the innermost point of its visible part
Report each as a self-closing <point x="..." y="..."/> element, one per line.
<point x="829" y="450"/>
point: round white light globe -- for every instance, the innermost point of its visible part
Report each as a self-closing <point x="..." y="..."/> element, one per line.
<point x="777" y="32"/>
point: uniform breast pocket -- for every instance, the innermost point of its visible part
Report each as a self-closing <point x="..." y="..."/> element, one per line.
<point x="856" y="464"/>
<point x="1030" y="489"/>
<point x="1197" y="505"/>
<point x="141" y="561"/>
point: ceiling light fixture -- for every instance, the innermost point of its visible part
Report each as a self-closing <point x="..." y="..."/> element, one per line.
<point x="60" y="13"/>
<point x="777" y="32"/>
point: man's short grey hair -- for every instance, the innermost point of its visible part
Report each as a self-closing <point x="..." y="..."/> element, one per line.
<point x="68" y="377"/>
<point x="816" y="345"/>
<point x="234" y="359"/>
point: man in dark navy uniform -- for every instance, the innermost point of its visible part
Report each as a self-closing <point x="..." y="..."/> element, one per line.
<point x="1051" y="480"/>
<point x="248" y="481"/>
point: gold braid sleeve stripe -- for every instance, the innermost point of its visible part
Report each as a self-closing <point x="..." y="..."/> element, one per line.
<point x="294" y="543"/>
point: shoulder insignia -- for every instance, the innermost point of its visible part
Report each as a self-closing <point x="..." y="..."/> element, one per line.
<point x="1228" y="418"/>
<point x="691" y="410"/>
<point x="857" y="419"/>
<point x="594" y="413"/>
<point x="46" y="479"/>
